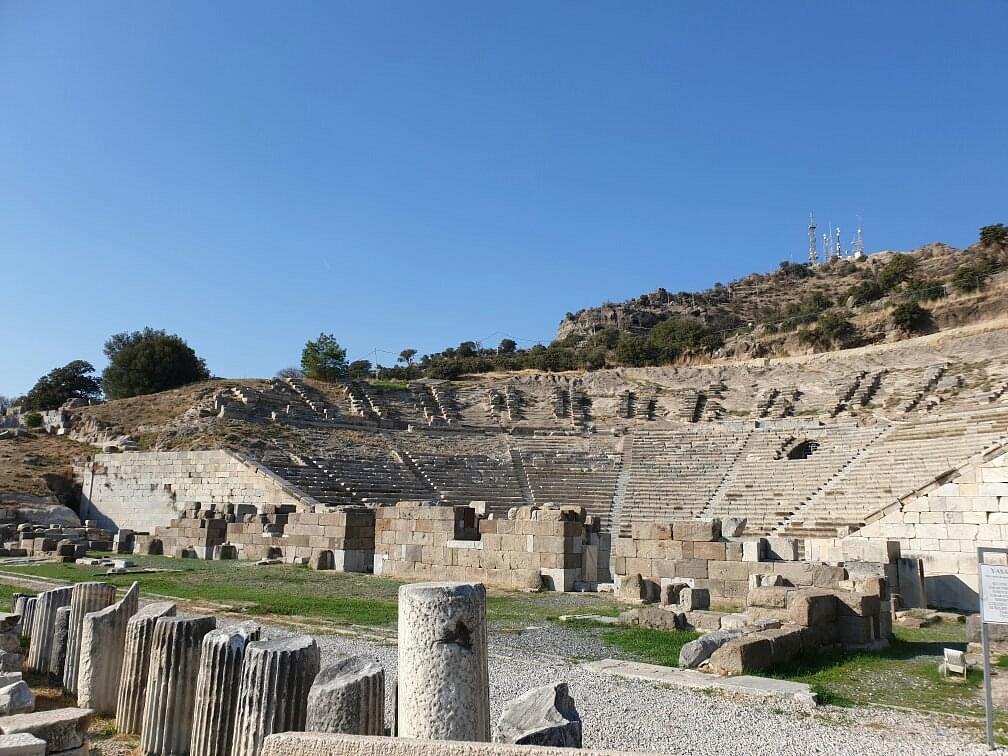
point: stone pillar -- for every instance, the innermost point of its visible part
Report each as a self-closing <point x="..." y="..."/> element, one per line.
<point x="28" y="615"/>
<point x="348" y="697"/>
<point x="273" y="695"/>
<point x="171" y="686"/>
<point x="217" y="688"/>
<point x="43" y="626"/>
<point x="86" y="598"/>
<point x="103" y="641"/>
<point x="136" y="666"/>
<point x="57" y="652"/>
<point x="444" y="692"/>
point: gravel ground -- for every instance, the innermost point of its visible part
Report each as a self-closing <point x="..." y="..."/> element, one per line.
<point x="639" y="716"/>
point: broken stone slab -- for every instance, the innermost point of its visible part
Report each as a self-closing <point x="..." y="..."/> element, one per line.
<point x="217" y="688"/>
<point x="22" y="744"/>
<point x="43" y="627"/>
<point x="632" y="589"/>
<point x="733" y="527"/>
<point x="171" y="686"/>
<point x="348" y="697"/>
<point x="16" y="699"/>
<point x="691" y="599"/>
<point x="10" y="662"/>
<point x="136" y="666"/>
<point x="86" y="598"/>
<point x="61" y="729"/>
<point x="544" y="716"/>
<point x="273" y="694"/>
<point x="103" y="641"/>
<point x="57" y="649"/>
<point x="443" y="681"/>
<point x="697" y="651"/>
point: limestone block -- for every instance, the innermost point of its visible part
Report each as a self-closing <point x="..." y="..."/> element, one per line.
<point x="10" y="662"/>
<point x="348" y="697"/>
<point x="632" y="589"/>
<point x="171" y="684"/>
<point x="694" y="598"/>
<point x="697" y="651"/>
<point x="86" y="598"/>
<point x="812" y="607"/>
<point x="16" y="699"/>
<point x="136" y="666"/>
<point x="61" y="729"/>
<point x="652" y="616"/>
<point x="57" y="650"/>
<point x="768" y="597"/>
<point x="785" y="644"/>
<point x="217" y="684"/>
<point x="273" y="693"/>
<point x="43" y="626"/>
<point x="733" y="527"/>
<point x="696" y="530"/>
<point x="754" y="550"/>
<point x="443" y="679"/>
<point x="22" y="744"/>
<point x="750" y="653"/>
<point x="103" y="641"/>
<point x="544" y="716"/>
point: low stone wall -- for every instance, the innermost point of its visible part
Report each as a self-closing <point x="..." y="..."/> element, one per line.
<point x="534" y="547"/>
<point x="142" y="490"/>
<point x="696" y="551"/>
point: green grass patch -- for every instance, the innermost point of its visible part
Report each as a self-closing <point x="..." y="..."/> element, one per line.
<point x="652" y="646"/>
<point x="7" y="595"/>
<point x="382" y="386"/>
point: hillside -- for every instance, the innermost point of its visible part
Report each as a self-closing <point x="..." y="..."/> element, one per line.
<point x="747" y="315"/>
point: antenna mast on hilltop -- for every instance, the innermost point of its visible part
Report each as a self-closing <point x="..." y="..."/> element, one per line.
<point x="837" y="249"/>
<point x="813" y="258"/>
<point x="858" y="246"/>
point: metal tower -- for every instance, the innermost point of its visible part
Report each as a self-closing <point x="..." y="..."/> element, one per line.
<point x="858" y="246"/>
<point x="813" y="258"/>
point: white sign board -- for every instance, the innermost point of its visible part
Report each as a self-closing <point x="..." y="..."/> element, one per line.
<point x="994" y="607"/>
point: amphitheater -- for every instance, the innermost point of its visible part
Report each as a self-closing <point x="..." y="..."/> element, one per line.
<point x="901" y="442"/>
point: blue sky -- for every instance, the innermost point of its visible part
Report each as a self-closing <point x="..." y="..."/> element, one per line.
<point x="417" y="174"/>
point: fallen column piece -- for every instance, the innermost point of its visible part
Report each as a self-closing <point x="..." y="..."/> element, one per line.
<point x="43" y="627"/>
<point x="443" y="683"/>
<point x="273" y="695"/>
<point x="61" y="729"/>
<point x="28" y="615"/>
<point x="86" y="598"/>
<point x="22" y="744"/>
<point x="103" y="640"/>
<point x="217" y="689"/>
<point x="171" y="686"/>
<point x="16" y="698"/>
<point x="136" y="666"/>
<point x="348" y="697"/>
<point x="544" y="716"/>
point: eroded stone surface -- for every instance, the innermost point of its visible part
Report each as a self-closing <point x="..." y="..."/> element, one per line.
<point x="86" y="598"/>
<point x="57" y="649"/>
<point x="43" y="627"/>
<point x="544" y="716"/>
<point x="61" y="729"/>
<point x="103" y="640"/>
<point x="136" y="666"/>
<point x="443" y="685"/>
<point x="273" y="695"/>
<point x="348" y="697"/>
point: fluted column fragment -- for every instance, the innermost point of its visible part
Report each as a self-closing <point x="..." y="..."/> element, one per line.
<point x="86" y="598"/>
<point x="348" y="697"/>
<point x="44" y="626"/>
<point x="136" y="666"/>
<point x="57" y="652"/>
<point x="103" y="641"/>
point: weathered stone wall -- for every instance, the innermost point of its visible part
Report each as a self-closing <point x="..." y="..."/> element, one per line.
<point x="533" y="547"/>
<point x="141" y="490"/>
<point x="944" y="526"/>
<point x="694" y="551"/>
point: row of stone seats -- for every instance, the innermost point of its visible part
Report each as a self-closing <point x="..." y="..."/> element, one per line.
<point x="558" y="473"/>
<point x="900" y="462"/>
<point x="464" y="478"/>
<point x="376" y="481"/>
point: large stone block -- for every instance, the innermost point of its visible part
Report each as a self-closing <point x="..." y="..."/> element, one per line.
<point x="61" y="729"/>
<point x="750" y="653"/>
<point x="22" y="744"/>
<point x="136" y="666"/>
<point x="768" y="598"/>
<point x="273" y="694"/>
<point x="697" y="651"/>
<point x="812" y="607"/>
<point x="348" y="697"/>
<point x="544" y="716"/>
<point x="443" y="679"/>
<point x="696" y="530"/>
<point x="103" y="641"/>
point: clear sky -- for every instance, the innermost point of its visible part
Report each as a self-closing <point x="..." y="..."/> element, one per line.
<point x="416" y="174"/>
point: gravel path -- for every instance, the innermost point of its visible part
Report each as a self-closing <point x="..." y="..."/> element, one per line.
<point x="640" y="716"/>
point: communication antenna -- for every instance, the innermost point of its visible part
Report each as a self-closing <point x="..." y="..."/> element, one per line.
<point x="859" y="242"/>
<point x="837" y="249"/>
<point x="813" y="258"/>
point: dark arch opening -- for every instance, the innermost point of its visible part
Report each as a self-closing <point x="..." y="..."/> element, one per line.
<point x="804" y="450"/>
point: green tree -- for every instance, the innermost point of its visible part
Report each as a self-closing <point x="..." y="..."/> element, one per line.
<point x="75" y="380"/>
<point x="967" y="278"/>
<point x="994" y="235"/>
<point x="679" y="335"/>
<point x="324" y="359"/>
<point x="359" y="370"/>
<point x="911" y="317"/>
<point x="33" y="420"/>
<point x="406" y="356"/>
<point x="865" y="292"/>
<point x="635" y="351"/>
<point x="896" y="271"/>
<point x="148" y="361"/>
<point x="507" y="346"/>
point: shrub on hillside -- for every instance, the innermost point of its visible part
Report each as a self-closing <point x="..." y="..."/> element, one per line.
<point x="968" y="278"/>
<point x="911" y="317"/>
<point x="75" y="380"/>
<point x="33" y="420"/>
<point x="830" y="329"/>
<point x="148" y="361"/>
<point x="865" y="292"/>
<point x="896" y="271"/>
<point x="995" y="235"/>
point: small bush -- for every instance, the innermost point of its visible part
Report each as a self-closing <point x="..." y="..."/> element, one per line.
<point x="911" y="317"/>
<point x="967" y="278"/>
<point x="865" y="292"/>
<point x="33" y="420"/>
